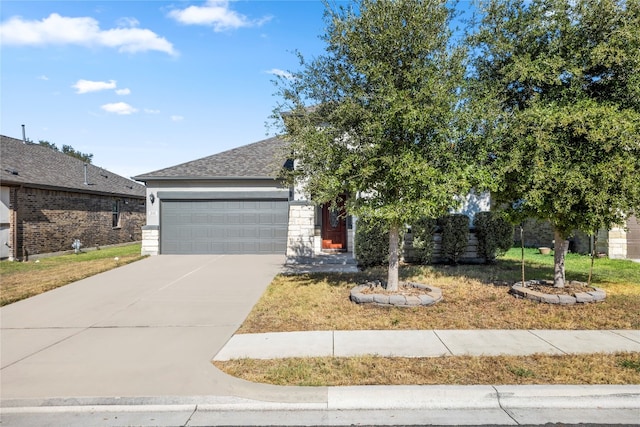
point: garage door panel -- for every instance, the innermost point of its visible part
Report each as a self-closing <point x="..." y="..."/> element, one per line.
<point x="223" y="226"/>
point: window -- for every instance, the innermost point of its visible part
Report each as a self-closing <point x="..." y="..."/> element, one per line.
<point x="115" y="214"/>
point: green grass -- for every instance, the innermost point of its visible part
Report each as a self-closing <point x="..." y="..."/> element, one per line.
<point x="577" y="267"/>
<point x="8" y="267"/>
<point x="19" y="280"/>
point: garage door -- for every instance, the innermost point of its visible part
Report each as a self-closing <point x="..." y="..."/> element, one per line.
<point x="223" y="226"/>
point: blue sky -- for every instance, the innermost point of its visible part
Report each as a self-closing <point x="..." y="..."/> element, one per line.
<point x="145" y="85"/>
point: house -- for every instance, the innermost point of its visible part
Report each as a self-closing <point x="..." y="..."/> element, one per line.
<point x="234" y="203"/>
<point x="50" y="199"/>
<point x="622" y="242"/>
<point x="228" y="203"/>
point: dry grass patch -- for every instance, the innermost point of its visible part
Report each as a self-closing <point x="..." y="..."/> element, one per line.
<point x="20" y="280"/>
<point x="471" y="300"/>
<point x="321" y="302"/>
<point x="620" y="368"/>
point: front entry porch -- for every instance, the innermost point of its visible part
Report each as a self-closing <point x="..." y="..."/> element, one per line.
<point x="315" y="231"/>
<point x="333" y="229"/>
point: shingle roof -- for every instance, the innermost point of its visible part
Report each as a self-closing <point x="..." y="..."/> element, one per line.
<point x="263" y="159"/>
<point x="39" y="166"/>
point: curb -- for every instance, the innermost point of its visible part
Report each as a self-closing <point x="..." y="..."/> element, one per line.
<point x="363" y="405"/>
<point x="366" y="398"/>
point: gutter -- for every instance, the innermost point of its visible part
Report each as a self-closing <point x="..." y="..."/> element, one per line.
<point x="72" y="189"/>
<point x="143" y="178"/>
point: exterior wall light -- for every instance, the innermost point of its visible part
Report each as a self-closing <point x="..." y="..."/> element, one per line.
<point x="152" y="198"/>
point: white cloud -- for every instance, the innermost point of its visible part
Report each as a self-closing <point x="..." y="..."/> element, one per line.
<point x="121" y="108"/>
<point x="83" y="31"/>
<point x="217" y="14"/>
<point x="128" y="22"/>
<point x="86" y="86"/>
<point x="43" y="77"/>
<point x="280" y="73"/>
<point x="125" y="91"/>
<point x="150" y="111"/>
<point x="177" y="118"/>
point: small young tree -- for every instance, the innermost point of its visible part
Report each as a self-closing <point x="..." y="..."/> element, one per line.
<point x="68" y="150"/>
<point x="560" y="82"/>
<point x="376" y="117"/>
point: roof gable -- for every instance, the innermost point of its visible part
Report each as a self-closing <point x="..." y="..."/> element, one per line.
<point x="263" y="159"/>
<point x="36" y="165"/>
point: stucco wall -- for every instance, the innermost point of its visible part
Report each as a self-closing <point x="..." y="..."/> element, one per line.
<point x="49" y="220"/>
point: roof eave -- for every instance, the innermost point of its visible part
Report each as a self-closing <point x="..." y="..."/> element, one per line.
<point x="145" y="178"/>
<point x="71" y="189"/>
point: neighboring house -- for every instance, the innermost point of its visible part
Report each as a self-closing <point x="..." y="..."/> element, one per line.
<point x="623" y="242"/>
<point x="618" y="243"/>
<point x="50" y="199"/>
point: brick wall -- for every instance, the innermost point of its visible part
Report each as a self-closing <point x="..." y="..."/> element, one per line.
<point x="50" y="220"/>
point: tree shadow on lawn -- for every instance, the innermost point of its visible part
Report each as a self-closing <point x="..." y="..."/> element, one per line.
<point x="504" y="272"/>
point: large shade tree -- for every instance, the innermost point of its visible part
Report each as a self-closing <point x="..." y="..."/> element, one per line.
<point x="374" y="119"/>
<point x="560" y="83"/>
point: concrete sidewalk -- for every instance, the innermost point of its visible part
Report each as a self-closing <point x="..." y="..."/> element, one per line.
<point x="427" y="343"/>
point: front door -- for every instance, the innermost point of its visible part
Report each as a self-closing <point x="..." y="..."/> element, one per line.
<point x="334" y="228"/>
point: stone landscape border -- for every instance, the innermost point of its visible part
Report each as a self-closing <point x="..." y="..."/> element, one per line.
<point x="432" y="295"/>
<point x="520" y="291"/>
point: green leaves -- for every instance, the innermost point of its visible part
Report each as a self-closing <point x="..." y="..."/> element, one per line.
<point x="568" y="107"/>
<point x="384" y="124"/>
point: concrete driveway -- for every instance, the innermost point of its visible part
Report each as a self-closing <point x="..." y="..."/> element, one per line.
<point x="145" y="329"/>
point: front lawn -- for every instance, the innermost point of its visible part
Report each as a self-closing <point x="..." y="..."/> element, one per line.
<point x="474" y="297"/>
<point x="20" y="280"/>
<point x="470" y="299"/>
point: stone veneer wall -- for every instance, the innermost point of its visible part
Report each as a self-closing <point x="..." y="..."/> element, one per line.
<point x="150" y="240"/>
<point x="49" y="220"/>
<point x="617" y="243"/>
<point x="301" y="235"/>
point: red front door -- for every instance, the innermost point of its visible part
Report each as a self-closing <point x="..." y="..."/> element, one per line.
<point x="334" y="228"/>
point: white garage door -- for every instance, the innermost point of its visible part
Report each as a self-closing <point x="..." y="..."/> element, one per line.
<point x="257" y="226"/>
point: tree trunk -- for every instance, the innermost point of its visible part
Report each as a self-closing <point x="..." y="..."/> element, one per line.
<point x="394" y="240"/>
<point x="522" y="250"/>
<point x="594" y="253"/>
<point x="560" y="248"/>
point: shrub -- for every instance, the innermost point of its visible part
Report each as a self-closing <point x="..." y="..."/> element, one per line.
<point x="495" y="235"/>
<point x="423" y="231"/>
<point x="372" y="242"/>
<point x="455" y="236"/>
